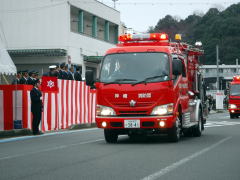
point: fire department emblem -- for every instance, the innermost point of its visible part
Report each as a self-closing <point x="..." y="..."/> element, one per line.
<point x="50" y="84"/>
<point x="132" y="103"/>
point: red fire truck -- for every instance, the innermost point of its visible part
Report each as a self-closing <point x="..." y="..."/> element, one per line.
<point x="149" y="85"/>
<point x="234" y="97"/>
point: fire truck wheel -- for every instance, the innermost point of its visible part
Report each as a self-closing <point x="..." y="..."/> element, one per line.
<point x="187" y="132"/>
<point x="110" y="136"/>
<point x="197" y="130"/>
<point x="232" y="116"/>
<point x="175" y="133"/>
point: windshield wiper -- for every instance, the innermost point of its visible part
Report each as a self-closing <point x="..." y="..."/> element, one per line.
<point x="117" y="81"/>
<point x="149" y="78"/>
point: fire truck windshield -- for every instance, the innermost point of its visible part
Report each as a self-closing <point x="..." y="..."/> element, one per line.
<point x="135" y="67"/>
<point x="235" y="90"/>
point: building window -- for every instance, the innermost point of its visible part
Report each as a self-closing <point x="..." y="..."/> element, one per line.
<point x="106" y="31"/>
<point x="116" y="34"/>
<point x="80" y="22"/>
<point x="86" y="23"/>
<point x="94" y="26"/>
<point x="113" y="33"/>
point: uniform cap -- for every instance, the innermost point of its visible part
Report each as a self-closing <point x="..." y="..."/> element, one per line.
<point x="32" y="72"/>
<point x="62" y="65"/>
<point x="52" y="67"/>
<point x="36" y="81"/>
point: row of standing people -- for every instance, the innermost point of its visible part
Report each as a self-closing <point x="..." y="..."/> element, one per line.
<point x="61" y="72"/>
<point x="25" y="77"/>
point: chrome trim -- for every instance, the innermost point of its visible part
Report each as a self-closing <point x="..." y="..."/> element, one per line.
<point x="134" y="116"/>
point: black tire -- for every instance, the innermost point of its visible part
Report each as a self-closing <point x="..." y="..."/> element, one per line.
<point x="197" y="130"/>
<point x="110" y="136"/>
<point x="187" y="132"/>
<point x="232" y="116"/>
<point x="174" y="133"/>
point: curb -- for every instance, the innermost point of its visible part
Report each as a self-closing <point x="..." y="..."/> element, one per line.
<point x="83" y="126"/>
<point x="15" y="132"/>
<point x="27" y="132"/>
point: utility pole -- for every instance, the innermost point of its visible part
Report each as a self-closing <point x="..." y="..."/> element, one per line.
<point x="237" y="66"/>
<point x="114" y="1"/>
<point x="217" y="59"/>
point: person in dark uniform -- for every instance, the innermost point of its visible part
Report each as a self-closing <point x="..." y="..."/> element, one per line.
<point x="17" y="78"/>
<point x="77" y="74"/>
<point x="23" y="80"/>
<point x="37" y="75"/>
<point x="52" y="71"/>
<point x="71" y="73"/>
<point x="64" y="72"/>
<point x="36" y="107"/>
<point x="31" y="79"/>
<point x="61" y="70"/>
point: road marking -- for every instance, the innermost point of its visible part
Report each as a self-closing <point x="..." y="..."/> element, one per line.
<point x="47" y="134"/>
<point x="49" y="149"/>
<point x="220" y="123"/>
<point x="175" y="165"/>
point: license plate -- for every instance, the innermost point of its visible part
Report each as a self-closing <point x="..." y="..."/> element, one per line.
<point x="132" y="123"/>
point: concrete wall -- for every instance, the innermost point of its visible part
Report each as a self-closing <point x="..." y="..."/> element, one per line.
<point x="35" y="24"/>
<point x="98" y="9"/>
<point x="45" y="24"/>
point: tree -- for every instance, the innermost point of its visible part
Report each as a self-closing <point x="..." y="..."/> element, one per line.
<point x="217" y="26"/>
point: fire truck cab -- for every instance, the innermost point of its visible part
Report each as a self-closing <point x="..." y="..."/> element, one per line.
<point x="234" y="97"/>
<point x="149" y="85"/>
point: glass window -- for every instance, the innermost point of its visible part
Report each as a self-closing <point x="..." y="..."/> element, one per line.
<point x="235" y="90"/>
<point x="135" y="67"/>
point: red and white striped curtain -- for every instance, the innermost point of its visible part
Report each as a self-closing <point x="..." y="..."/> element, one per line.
<point x="74" y="104"/>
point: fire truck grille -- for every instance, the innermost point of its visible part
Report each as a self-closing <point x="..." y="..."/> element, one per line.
<point x="133" y="113"/>
<point x="116" y="124"/>
<point x="138" y="104"/>
<point x="148" y="124"/>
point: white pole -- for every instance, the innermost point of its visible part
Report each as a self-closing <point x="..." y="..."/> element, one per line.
<point x="237" y="66"/>
<point x="217" y="67"/>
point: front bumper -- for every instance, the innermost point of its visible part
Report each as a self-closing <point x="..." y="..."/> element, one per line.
<point x="146" y="122"/>
<point x="234" y="111"/>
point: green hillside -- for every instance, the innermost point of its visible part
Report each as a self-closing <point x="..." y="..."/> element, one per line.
<point x="222" y="28"/>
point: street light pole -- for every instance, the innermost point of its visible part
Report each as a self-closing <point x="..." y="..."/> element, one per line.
<point x="217" y="67"/>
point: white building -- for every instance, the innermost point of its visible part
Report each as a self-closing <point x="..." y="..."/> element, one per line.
<point x="225" y="73"/>
<point x="40" y="33"/>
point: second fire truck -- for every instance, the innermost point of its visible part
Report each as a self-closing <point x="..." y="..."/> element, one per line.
<point x="234" y="98"/>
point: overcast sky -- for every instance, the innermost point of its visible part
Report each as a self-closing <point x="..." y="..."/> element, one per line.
<point x="140" y="14"/>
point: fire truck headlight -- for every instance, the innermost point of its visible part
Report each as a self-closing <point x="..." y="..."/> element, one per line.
<point x="104" y="111"/>
<point x="163" y="109"/>
<point x="232" y="106"/>
<point x="162" y="123"/>
<point x="104" y="124"/>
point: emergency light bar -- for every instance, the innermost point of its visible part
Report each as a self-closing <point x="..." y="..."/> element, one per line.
<point x="144" y="37"/>
<point x="236" y="78"/>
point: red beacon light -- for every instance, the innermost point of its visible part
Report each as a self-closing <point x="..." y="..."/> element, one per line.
<point x="161" y="37"/>
<point x="236" y="78"/>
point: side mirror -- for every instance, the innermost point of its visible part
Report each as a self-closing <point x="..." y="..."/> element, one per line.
<point x="177" y="67"/>
<point x="89" y="78"/>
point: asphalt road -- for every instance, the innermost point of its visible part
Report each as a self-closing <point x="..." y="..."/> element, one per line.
<point x="83" y="154"/>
